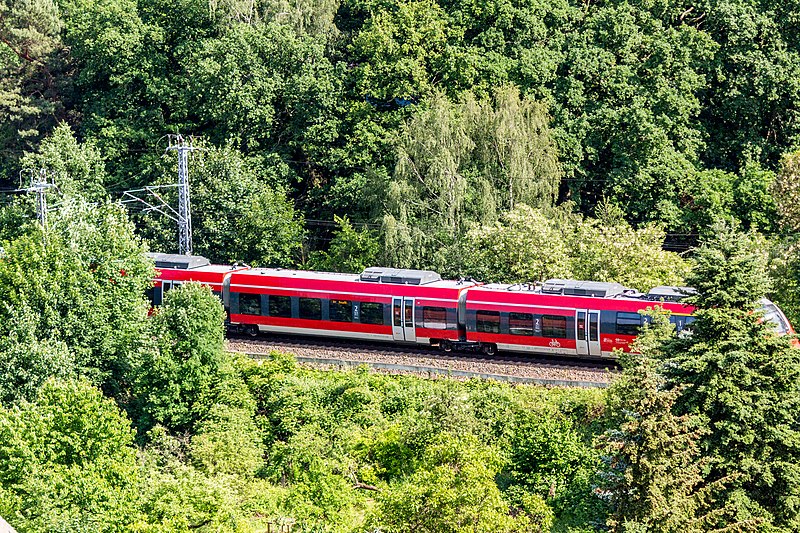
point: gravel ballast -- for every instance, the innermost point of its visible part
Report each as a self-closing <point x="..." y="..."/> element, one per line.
<point x="433" y="364"/>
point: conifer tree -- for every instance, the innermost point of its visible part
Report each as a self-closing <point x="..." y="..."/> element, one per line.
<point x="653" y="465"/>
<point x="743" y="379"/>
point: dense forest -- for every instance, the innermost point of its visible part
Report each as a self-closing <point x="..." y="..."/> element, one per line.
<point x="341" y="133"/>
<point x="641" y="142"/>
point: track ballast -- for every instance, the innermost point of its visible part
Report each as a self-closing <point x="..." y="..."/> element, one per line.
<point x="429" y="362"/>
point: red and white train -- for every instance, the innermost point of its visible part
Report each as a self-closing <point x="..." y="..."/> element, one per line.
<point x="564" y="317"/>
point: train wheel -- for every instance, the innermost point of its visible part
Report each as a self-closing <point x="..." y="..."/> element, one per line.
<point x="489" y="349"/>
<point x="252" y="331"/>
<point x="446" y="346"/>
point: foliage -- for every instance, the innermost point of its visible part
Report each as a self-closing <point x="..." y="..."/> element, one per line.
<point x="81" y="282"/>
<point x="237" y="216"/>
<point x="534" y="245"/>
<point x="653" y="474"/>
<point x="30" y="77"/>
<point x="67" y="461"/>
<point x="174" y="381"/>
<point x="742" y="379"/>
<point x="457" y="164"/>
<point x="77" y="169"/>
<point x="350" y="250"/>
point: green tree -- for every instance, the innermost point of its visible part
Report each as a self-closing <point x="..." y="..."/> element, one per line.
<point x="457" y="163"/>
<point x="81" y="282"/>
<point x="653" y="464"/>
<point x="30" y="74"/>
<point x="351" y="250"/>
<point x="452" y="491"/>
<point x="742" y="379"/>
<point x="76" y="168"/>
<point x="173" y="383"/>
<point x="238" y="213"/>
<point x="67" y="461"/>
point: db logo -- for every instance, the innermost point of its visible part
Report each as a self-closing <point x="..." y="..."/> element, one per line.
<point x="555" y="344"/>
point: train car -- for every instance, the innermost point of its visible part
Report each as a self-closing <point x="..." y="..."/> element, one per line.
<point x="564" y="317"/>
<point x="173" y="269"/>
<point x="380" y="304"/>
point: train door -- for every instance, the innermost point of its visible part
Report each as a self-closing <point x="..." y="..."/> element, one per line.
<point x="403" y="319"/>
<point x="587" y="332"/>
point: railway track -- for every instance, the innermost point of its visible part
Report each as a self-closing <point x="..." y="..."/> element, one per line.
<point x="427" y="361"/>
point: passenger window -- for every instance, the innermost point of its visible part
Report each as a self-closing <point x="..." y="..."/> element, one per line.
<point x="520" y="324"/>
<point x="310" y="308"/>
<point x="341" y="311"/>
<point x="554" y="326"/>
<point x="434" y="317"/>
<point x="628" y="323"/>
<point x="249" y="304"/>
<point x="280" y="306"/>
<point x="487" y="321"/>
<point x="372" y="313"/>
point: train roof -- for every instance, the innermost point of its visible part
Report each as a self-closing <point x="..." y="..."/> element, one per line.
<point x="568" y="287"/>
<point x="371" y="276"/>
<point x="179" y="261"/>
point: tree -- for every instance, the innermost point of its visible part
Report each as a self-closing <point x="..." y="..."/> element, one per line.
<point x="529" y="245"/>
<point x="30" y="76"/>
<point x="77" y="168"/>
<point x="81" y="282"/>
<point x="452" y="491"/>
<point x="350" y="250"/>
<point x="653" y="475"/>
<point x="67" y="461"/>
<point x="742" y="379"/>
<point x="173" y="383"/>
<point x="238" y="213"/>
<point x="457" y="164"/>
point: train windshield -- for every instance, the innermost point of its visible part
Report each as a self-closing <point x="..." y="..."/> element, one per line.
<point x="774" y="315"/>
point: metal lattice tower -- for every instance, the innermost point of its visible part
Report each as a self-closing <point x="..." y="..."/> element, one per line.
<point x="40" y="182"/>
<point x="183" y="147"/>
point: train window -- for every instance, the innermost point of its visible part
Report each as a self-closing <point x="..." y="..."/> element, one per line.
<point x="372" y="313"/>
<point x="628" y="323"/>
<point x="398" y="318"/>
<point x="554" y="326"/>
<point x="310" y="308"/>
<point x="249" y="304"/>
<point x="280" y="306"/>
<point x="434" y="317"/>
<point x="520" y="324"/>
<point x="487" y="321"/>
<point x="341" y="311"/>
<point x="581" y="331"/>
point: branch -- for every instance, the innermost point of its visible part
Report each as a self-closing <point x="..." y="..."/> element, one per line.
<point x="364" y="486"/>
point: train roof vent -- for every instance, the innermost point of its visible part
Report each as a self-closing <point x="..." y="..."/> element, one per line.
<point x="182" y="262"/>
<point x="399" y="276"/>
<point x="669" y="294"/>
<point x="571" y="287"/>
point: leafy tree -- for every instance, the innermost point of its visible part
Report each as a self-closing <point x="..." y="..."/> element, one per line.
<point x="525" y="245"/>
<point x="457" y="164"/>
<point x="77" y="168"/>
<point x="453" y="491"/>
<point x="67" y="461"/>
<point x="81" y="282"/>
<point x="534" y="245"/>
<point x="350" y="250"/>
<point x="786" y="192"/>
<point x="742" y="379"/>
<point x="26" y="362"/>
<point x="174" y="382"/>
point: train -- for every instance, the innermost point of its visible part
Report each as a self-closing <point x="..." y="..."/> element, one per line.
<point x="561" y="317"/>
